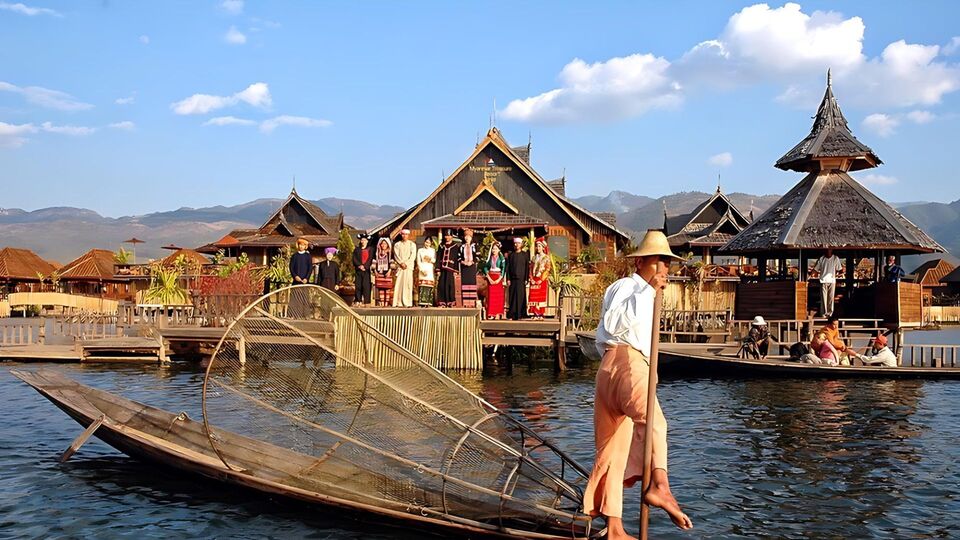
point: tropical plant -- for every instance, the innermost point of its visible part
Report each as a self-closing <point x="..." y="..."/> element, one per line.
<point x="122" y="256"/>
<point x="484" y="252"/>
<point x="345" y="257"/>
<point x="227" y="269"/>
<point x="165" y="287"/>
<point x="219" y="256"/>
<point x="562" y="279"/>
<point x="278" y="271"/>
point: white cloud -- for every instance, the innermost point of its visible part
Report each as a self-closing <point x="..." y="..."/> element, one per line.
<point x="229" y="121"/>
<point x="723" y="159"/>
<point x="29" y="10"/>
<point x="951" y="48"/>
<point x="760" y="45"/>
<point x="234" y="36"/>
<point x="12" y="135"/>
<point x="74" y="131"/>
<point x="921" y="117"/>
<point x="47" y="98"/>
<point x="125" y="125"/>
<point x="883" y="125"/>
<point x="267" y="126"/>
<point x="617" y="88"/>
<point x="257" y="94"/>
<point x="145" y="39"/>
<point x="233" y="7"/>
<point x="876" y="180"/>
<point x="129" y="100"/>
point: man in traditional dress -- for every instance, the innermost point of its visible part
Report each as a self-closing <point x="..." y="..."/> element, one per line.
<point x="328" y="271"/>
<point x="405" y="256"/>
<point x="828" y="266"/>
<point x="362" y="261"/>
<point x="301" y="266"/>
<point x="518" y="274"/>
<point x="448" y="255"/>
<point x="468" y="269"/>
<point x="620" y="408"/>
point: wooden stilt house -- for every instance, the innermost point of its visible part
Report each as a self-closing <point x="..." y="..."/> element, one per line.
<point x="20" y="271"/>
<point x="94" y="274"/>
<point x="496" y="190"/>
<point x="829" y="209"/>
<point x="709" y="226"/>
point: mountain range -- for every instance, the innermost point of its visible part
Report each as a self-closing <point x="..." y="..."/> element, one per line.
<point x="62" y="233"/>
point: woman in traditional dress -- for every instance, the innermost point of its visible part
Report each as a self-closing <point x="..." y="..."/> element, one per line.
<point x="426" y="256"/>
<point x="495" y="269"/>
<point x="382" y="272"/>
<point x="468" y="270"/>
<point x="540" y="268"/>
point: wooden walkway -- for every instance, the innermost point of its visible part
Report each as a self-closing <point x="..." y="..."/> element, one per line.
<point x="111" y="350"/>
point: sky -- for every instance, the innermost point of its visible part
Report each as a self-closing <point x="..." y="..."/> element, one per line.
<point x="131" y="107"/>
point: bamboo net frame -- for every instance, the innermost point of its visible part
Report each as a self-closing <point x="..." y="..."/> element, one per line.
<point x="379" y="425"/>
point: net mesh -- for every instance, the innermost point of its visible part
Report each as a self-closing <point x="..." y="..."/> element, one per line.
<point x="326" y="403"/>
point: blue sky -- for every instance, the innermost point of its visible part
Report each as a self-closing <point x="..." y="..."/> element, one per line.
<point x="133" y="107"/>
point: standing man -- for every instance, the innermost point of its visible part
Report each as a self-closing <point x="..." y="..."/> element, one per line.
<point x="362" y="261"/>
<point x="405" y="255"/>
<point x="448" y="256"/>
<point x="828" y="266"/>
<point x="893" y="272"/>
<point x="620" y="406"/>
<point x="301" y="264"/>
<point x="328" y="271"/>
<point x="518" y="274"/>
<point x="468" y="269"/>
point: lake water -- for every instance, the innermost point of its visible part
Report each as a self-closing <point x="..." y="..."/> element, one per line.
<point x="748" y="458"/>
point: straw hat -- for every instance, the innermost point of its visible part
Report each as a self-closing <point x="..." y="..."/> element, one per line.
<point x="654" y="243"/>
<point x="758" y="321"/>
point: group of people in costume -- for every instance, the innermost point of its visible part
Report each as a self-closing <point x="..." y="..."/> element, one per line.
<point x="444" y="275"/>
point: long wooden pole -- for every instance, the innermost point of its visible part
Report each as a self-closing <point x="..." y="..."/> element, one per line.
<point x="651" y="407"/>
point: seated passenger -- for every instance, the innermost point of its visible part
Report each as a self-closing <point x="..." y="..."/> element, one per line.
<point x="882" y="355"/>
<point x="825" y="351"/>
<point x="758" y="339"/>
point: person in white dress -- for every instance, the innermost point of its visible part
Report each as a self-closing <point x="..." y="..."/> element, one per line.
<point x="426" y="257"/>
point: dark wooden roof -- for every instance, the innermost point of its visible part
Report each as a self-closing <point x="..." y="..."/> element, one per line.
<point x="482" y="219"/>
<point x="712" y="223"/>
<point x="523" y="152"/>
<point x="831" y="210"/>
<point x="559" y="185"/>
<point x="23" y="264"/>
<point x="931" y="272"/>
<point x="96" y="264"/>
<point x="830" y="137"/>
<point x="952" y="277"/>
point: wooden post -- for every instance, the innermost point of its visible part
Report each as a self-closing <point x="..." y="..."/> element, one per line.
<point x="651" y="402"/>
<point x="562" y="337"/>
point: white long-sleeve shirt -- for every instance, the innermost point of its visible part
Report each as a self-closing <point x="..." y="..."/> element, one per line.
<point x="626" y="316"/>
<point x="883" y="358"/>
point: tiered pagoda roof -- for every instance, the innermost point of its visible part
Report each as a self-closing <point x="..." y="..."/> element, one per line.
<point x="711" y="224"/>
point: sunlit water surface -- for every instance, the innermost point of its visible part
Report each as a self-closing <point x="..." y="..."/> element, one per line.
<point x="748" y="458"/>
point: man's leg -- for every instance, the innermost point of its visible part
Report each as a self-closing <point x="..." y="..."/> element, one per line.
<point x="832" y="288"/>
<point x="824" y="303"/>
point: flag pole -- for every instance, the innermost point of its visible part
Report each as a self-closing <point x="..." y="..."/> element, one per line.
<point x="651" y="407"/>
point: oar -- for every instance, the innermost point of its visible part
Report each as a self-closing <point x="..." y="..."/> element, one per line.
<point x="651" y="402"/>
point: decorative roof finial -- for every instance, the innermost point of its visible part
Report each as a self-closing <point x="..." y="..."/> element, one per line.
<point x="718" y="182"/>
<point x="828" y="78"/>
<point x="294" y="190"/>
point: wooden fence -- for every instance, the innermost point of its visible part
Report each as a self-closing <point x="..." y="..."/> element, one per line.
<point x="930" y="356"/>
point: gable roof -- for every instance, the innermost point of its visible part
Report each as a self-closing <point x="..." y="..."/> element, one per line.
<point x="830" y="137"/>
<point x="23" y="264"/>
<point x="320" y="220"/>
<point x="930" y="272"/>
<point x="831" y="210"/>
<point x="95" y="264"/>
<point x="952" y="277"/>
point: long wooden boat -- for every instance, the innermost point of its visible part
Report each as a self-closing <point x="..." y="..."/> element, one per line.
<point x="704" y="360"/>
<point x="158" y="436"/>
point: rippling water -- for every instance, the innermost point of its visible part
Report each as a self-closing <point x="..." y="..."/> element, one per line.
<point x="748" y="458"/>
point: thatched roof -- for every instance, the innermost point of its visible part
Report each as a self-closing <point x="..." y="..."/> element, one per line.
<point x="96" y="264"/>
<point x="831" y="210"/>
<point x="23" y="265"/>
<point x="189" y="255"/>
<point x="829" y="139"/>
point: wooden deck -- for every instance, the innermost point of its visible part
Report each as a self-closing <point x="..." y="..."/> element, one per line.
<point x="111" y="350"/>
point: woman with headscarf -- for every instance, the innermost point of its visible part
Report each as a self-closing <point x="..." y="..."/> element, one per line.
<point x="540" y="268"/>
<point x="495" y="269"/>
<point x="328" y="271"/>
<point x="426" y="256"/>
<point x="382" y="272"/>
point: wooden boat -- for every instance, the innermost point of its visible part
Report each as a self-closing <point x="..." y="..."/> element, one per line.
<point x="702" y="360"/>
<point x="158" y="436"/>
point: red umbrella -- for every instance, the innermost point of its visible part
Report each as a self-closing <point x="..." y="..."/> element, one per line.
<point x="134" y="241"/>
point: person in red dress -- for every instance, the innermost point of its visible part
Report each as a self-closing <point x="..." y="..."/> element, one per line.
<point x="494" y="269"/>
<point x="540" y="267"/>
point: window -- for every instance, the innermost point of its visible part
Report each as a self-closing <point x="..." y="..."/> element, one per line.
<point x="559" y="246"/>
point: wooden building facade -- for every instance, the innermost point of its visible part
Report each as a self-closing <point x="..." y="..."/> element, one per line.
<point x="496" y="190"/>
<point x="929" y="274"/>
<point x="829" y="209"/>
<point x="94" y="274"/>
<point x="20" y="271"/>
<point x="296" y="217"/>
<point x="708" y="227"/>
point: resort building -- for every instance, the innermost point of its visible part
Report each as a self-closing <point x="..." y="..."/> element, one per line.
<point x="94" y="274"/>
<point x="929" y="274"/>
<point x="296" y="217"/>
<point x="496" y="190"/>
<point x="829" y="209"/>
<point x="21" y="271"/>
<point x="709" y="226"/>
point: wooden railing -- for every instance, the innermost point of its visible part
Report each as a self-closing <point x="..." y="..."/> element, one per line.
<point x="677" y="325"/>
<point x="21" y="331"/>
<point x="930" y="356"/>
<point x="86" y="326"/>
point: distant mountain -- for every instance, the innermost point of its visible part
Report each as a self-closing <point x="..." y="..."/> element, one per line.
<point x="939" y="220"/>
<point x="618" y="202"/>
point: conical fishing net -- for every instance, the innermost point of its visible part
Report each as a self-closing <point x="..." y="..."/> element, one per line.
<point x="344" y="411"/>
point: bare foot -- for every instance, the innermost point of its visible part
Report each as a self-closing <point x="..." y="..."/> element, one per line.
<point x="615" y="530"/>
<point x="659" y="495"/>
